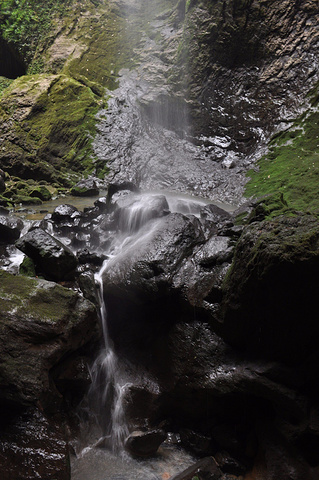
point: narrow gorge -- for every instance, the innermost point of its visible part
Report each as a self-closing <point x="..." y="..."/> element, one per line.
<point x="159" y="240"/>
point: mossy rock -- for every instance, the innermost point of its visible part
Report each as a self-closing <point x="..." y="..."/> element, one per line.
<point x="269" y="304"/>
<point x="25" y="200"/>
<point x="27" y="268"/>
<point x="53" y="136"/>
<point x="291" y="167"/>
<point x="5" y="202"/>
<point x="42" y="193"/>
<point x="40" y="323"/>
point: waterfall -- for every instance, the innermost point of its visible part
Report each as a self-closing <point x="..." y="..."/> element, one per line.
<point x="108" y="383"/>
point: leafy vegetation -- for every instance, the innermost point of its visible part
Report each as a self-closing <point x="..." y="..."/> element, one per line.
<point x="22" y="22"/>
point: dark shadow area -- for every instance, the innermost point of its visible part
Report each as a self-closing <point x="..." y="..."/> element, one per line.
<point x="11" y="64"/>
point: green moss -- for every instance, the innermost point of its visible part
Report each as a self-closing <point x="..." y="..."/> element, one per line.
<point x="4" y="83"/>
<point x="27" y="268"/>
<point x="42" y="300"/>
<point x="24" y="22"/>
<point x="43" y="304"/>
<point x="57" y="133"/>
<point x="291" y="167"/>
<point x="25" y="200"/>
<point x="13" y="289"/>
<point x="41" y="192"/>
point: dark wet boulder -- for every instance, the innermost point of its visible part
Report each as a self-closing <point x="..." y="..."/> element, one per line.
<point x="53" y="259"/>
<point x="85" y="188"/>
<point x="33" y="446"/>
<point x="228" y="464"/>
<point x="126" y="186"/>
<point x="138" y="284"/>
<point x="196" y="442"/>
<point x="10" y="228"/>
<point x="270" y="297"/>
<point x="41" y="324"/>
<point x="64" y="213"/>
<point x="215" y="219"/>
<point x="4" y="211"/>
<point x="204" y="469"/>
<point x="144" y="444"/>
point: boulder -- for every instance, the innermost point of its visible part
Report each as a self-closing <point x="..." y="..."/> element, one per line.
<point x="41" y="192"/>
<point x="41" y="324"/>
<point x="144" y="444"/>
<point x="121" y="187"/>
<point x="64" y="213"/>
<point x="52" y="259"/>
<point x="270" y="299"/>
<point x="85" y="188"/>
<point x="138" y="282"/>
<point x="10" y="228"/>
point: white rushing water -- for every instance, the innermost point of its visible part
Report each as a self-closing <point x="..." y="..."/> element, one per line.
<point x="109" y="383"/>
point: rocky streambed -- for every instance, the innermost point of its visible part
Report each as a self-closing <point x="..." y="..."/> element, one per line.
<point x="213" y="321"/>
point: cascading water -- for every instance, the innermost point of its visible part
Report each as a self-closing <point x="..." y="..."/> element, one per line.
<point x="112" y="378"/>
<point x="143" y="138"/>
<point x="108" y="383"/>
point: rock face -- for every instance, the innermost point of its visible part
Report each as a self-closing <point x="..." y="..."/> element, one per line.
<point x="51" y="257"/>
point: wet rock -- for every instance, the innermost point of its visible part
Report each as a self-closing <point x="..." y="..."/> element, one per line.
<point x="63" y="213"/>
<point x="139" y="281"/>
<point x="120" y="187"/>
<point x="42" y="323"/>
<point x="4" y="211"/>
<point x="228" y="464"/>
<point x="215" y="219"/>
<point x="134" y="212"/>
<point x="88" y="287"/>
<point x="205" y="469"/>
<point x="145" y="444"/>
<point x="85" y="256"/>
<point x="269" y="303"/>
<point x="214" y="252"/>
<point x="10" y="228"/>
<point x="72" y="378"/>
<point x="51" y="257"/>
<point x="32" y="446"/>
<point x="198" y="443"/>
<point x="85" y="188"/>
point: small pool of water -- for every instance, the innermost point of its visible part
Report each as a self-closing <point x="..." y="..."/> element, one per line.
<point x="99" y="464"/>
<point x="37" y="212"/>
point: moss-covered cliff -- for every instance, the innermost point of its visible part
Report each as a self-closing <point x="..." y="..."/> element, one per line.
<point x="69" y="53"/>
